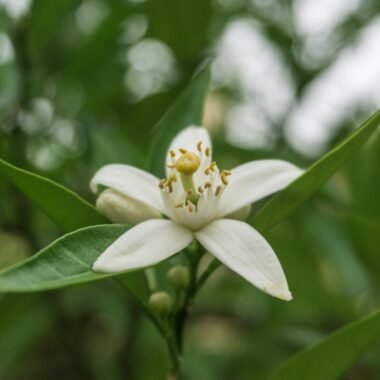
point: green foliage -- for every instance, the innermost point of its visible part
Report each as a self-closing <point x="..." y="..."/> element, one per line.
<point x="62" y="205"/>
<point x="83" y="60"/>
<point x="65" y="262"/>
<point x="314" y="178"/>
<point x="187" y="110"/>
<point x="330" y="358"/>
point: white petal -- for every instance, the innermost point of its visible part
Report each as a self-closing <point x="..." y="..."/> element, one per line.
<point x="188" y="139"/>
<point x="134" y="183"/>
<point x="144" y="245"/>
<point x="246" y="252"/>
<point x="255" y="180"/>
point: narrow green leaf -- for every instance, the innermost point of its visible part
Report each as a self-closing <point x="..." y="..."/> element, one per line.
<point x="286" y="201"/>
<point x="330" y="358"/>
<point x="187" y="110"/>
<point x="61" y="205"/>
<point x="67" y="261"/>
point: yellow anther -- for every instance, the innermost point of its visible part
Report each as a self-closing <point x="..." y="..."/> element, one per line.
<point x="207" y="151"/>
<point x="207" y="185"/>
<point x="223" y="176"/>
<point x="224" y="180"/>
<point x="200" y="189"/>
<point x="170" y="186"/>
<point x="161" y="184"/>
<point x="170" y="166"/>
<point x="190" y="205"/>
<point x="172" y="178"/>
<point x="199" y="146"/>
<point x="218" y="190"/>
<point x="211" y="168"/>
<point x="178" y="205"/>
<point x="172" y="153"/>
<point x="188" y="163"/>
<point x="182" y="150"/>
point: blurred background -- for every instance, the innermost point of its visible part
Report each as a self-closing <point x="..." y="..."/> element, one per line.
<point x="82" y="84"/>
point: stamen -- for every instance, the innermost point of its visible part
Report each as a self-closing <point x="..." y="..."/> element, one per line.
<point x="200" y="189"/>
<point x="199" y="146"/>
<point x="172" y="178"/>
<point x="190" y="206"/>
<point x="172" y="154"/>
<point x="207" y="185"/>
<point x="161" y="184"/>
<point x="218" y="190"/>
<point x="182" y="150"/>
<point x="207" y="152"/>
<point x="170" y="166"/>
<point x="223" y="176"/>
<point x="178" y="205"/>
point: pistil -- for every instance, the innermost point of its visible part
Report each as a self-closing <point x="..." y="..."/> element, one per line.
<point x="187" y="165"/>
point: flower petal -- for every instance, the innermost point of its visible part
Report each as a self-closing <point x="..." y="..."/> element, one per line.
<point x="188" y="139"/>
<point x="144" y="245"/>
<point x="246" y="252"/>
<point x="134" y="183"/>
<point x="256" y="180"/>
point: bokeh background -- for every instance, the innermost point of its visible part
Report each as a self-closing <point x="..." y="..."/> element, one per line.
<point x="82" y="84"/>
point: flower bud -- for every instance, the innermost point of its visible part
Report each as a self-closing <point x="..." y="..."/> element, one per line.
<point x="119" y="208"/>
<point x="241" y="214"/>
<point x="161" y="303"/>
<point x="179" y="277"/>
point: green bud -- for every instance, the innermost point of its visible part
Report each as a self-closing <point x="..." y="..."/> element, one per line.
<point x="241" y="214"/>
<point x="119" y="208"/>
<point x="179" y="277"/>
<point x="160" y="303"/>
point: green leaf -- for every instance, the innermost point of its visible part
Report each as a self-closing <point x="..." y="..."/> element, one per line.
<point x="61" y="205"/>
<point x="286" y="201"/>
<point x="330" y="358"/>
<point x="67" y="261"/>
<point x="187" y="110"/>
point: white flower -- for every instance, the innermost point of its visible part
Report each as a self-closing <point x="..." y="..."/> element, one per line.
<point x="196" y="199"/>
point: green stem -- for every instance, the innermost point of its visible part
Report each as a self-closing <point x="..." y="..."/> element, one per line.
<point x="174" y="356"/>
<point x="212" y="267"/>
<point x="164" y="330"/>
<point x="183" y="312"/>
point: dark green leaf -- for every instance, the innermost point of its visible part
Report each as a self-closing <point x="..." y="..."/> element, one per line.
<point x="67" y="261"/>
<point x="187" y="110"/>
<point x="286" y="201"/>
<point x="330" y="358"/>
<point x="62" y="205"/>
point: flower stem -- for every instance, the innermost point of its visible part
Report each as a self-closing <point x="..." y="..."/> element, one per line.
<point x="183" y="312"/>
<point x="212" y="267"/>
<point x="174" y="356"/>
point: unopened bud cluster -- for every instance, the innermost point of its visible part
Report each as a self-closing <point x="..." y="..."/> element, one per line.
<point x="161" y="303"/>
<point x="179" y="277"/>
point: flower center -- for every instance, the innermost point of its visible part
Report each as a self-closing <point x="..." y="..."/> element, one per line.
<point x="193" y="181"/>
<point x="188" y="163"/>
